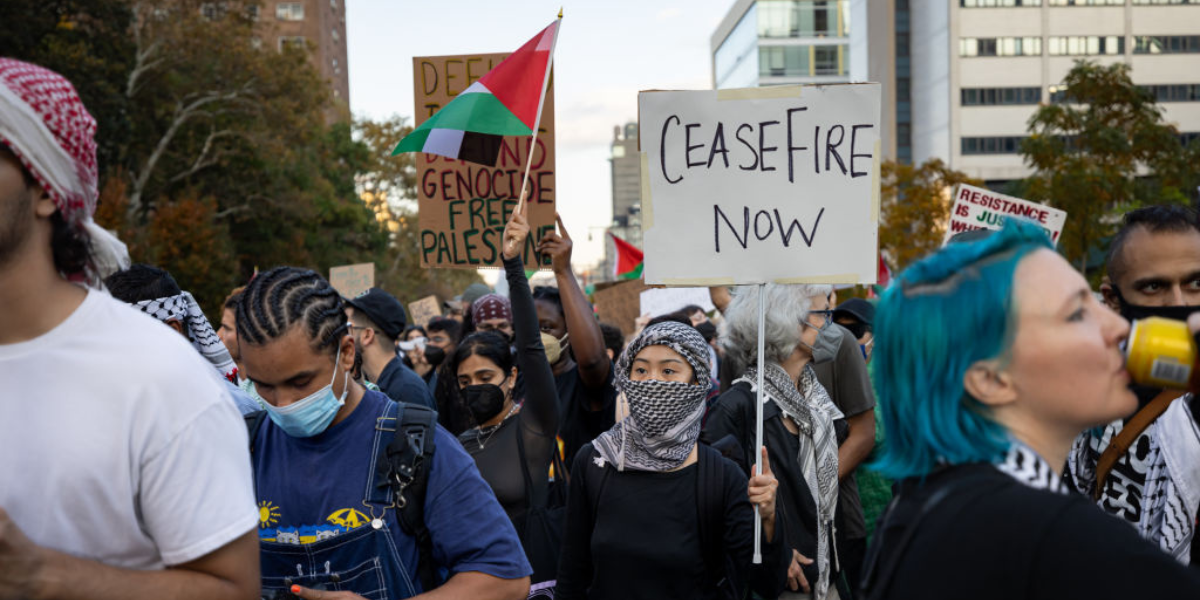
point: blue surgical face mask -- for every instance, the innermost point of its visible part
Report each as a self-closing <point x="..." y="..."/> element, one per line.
<point x="311" y="415"/>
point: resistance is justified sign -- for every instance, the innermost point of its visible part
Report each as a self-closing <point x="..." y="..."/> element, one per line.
<point x="977" y="208"/>
<point x="777" y="184"/>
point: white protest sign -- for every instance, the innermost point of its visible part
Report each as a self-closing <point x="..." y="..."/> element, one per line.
<point x="977" y="208"/>
<point x="352" y="280"/>
<point x="757" y="185"/>
<point x="660" y="301"/>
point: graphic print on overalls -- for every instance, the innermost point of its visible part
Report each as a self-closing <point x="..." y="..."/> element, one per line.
<point x="353" y="551"/>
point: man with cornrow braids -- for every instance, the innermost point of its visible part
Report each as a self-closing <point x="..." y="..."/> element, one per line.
<point x="330" y="526"/>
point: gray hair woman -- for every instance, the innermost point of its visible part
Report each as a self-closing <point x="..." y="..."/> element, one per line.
<point x="639" y="491"/>
<point x="798" y="419"/>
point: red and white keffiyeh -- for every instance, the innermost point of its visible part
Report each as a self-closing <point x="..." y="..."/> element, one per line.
<point x="43" y="121"/>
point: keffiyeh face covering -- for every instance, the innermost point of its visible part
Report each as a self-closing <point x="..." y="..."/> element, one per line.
<point x="183" y="308"/>
<point x="664" y="416"/>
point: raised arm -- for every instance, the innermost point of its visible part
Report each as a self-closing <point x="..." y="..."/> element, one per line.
<point x="587" y="342"/>
<point x="541" y="396"/>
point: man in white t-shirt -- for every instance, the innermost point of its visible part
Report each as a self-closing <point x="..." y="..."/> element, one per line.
<point x="125" y="470"/>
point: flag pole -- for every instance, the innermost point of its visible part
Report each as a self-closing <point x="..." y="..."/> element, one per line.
<point x="758" y="415"/>
<point x="537" y="121"/>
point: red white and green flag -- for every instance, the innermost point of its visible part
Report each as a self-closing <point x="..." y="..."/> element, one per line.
<point x="629" y="260"/>
<point x="505" y="101"/>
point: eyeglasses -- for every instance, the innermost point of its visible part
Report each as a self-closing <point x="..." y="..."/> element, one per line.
<point x="826" y="315"/>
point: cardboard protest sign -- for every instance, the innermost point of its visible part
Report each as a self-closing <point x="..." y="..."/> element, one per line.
<point x="463" y="206"/>
<point x="352" y="280"/>
<point x="619" y="303"/>
<point x="660" y="301"/>
<point x="757" y="185"/>
<point x="424" y="310"/>
<point x="977" y="208"/>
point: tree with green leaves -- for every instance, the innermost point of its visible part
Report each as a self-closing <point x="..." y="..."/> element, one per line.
<point x="914" y="208"/>
<point x="1102" y="150"/>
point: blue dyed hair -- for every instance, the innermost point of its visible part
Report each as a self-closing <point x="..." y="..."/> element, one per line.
<point x="942" y="315"/>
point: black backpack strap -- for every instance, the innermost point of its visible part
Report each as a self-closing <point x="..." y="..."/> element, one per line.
<point x="253" y="424"/>
<point x="878" y="570"/>
<point x="409" y="456"/>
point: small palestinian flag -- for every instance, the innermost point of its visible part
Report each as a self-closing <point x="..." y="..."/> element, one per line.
<point x="629" y="260"/>
<point x="505" y="101"/>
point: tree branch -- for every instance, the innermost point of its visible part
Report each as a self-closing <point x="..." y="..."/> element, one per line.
<point x="203" y="160"/>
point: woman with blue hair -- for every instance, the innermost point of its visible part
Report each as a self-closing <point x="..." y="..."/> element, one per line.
<point x="990" y="358"/>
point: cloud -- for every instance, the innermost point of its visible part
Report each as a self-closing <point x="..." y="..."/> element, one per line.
<point x="667" y="14"/>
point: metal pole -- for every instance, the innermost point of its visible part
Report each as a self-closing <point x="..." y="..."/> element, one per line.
<point x="758" y="414"/>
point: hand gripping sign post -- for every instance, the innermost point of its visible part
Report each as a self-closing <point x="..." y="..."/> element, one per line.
<point x="751" y="186"/>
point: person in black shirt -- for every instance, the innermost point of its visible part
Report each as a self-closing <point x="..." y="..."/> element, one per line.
<point x="651" y="513"/>
<point x="377" y="320"/>
<point x="512" y="441"/>
<point x="582" y="369"/>
<point x="798" y="421"/>
<point x="996" y="355"/>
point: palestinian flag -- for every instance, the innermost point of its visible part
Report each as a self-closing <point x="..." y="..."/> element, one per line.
<point x="629" y="259"/>
<point x="505" y="101"/>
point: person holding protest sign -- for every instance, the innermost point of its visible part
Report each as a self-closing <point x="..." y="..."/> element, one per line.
<point x="513" y="439"/>
<point x="639" y="490"/>
<point x="583" y="371"/>
<point x="1013" y="358"/>
<point x="798" y="422"/>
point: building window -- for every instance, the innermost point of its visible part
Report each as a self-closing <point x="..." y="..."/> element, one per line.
<point x="1175" y="92"/>
<point x="1005" y="46"/>
<point x="992" y="145"/>
<point x="1194" y="2"/>
<point x="211" y="11"/>
<point x="803" y="18"/>
<point x="256" y="42"/>
<point x="333" y="5"/>
<point x="997" y="3"/>
<point x="1086" y="2"/>
<point x="292" y="41"/>
<point x="289" y="11"/>
<point x="334" y="34"/>
<point x="1085" y="45"/>
<point x="803" y="61"/>
<point x="1166" y="44"/>
<point x="252" y="12"/>
<point x="1001" y="96"/>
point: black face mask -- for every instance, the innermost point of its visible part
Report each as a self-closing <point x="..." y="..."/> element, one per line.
<point x="856" y="329"/>
<point x="1134" y="312"/>
<point x="485" y="401"/>
<point x="434" y="356"/>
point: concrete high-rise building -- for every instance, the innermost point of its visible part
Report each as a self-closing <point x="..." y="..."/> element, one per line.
<point x="319" y="24"/>
<point x="626" y="192"/>
<point x="961" y="78"/>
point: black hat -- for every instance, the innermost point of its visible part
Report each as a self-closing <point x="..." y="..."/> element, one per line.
<point x="861" y="310"/>
<point x="383" y="309"/>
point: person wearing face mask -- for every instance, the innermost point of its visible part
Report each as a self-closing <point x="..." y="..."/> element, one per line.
<point x="512" y="437"/>
<point x="377" y="320"/>
<point x="856" y="315"/>
<point x="443" y="338"/>
<point x="1143" y="468"/>
<point x="1011" y="358"/>
<point x="583" y="373"/>
<point x="654" y="514"/>
<point x="798" y="422"/>
<point x="327" y="522"/>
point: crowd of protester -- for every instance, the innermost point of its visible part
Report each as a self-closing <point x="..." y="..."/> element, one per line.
<point x="322" y="447"/>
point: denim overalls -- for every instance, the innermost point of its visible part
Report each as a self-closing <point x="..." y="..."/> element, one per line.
<point x="364" y="560"/>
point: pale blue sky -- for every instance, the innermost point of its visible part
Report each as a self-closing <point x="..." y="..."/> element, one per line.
<point x="607" y="51"/>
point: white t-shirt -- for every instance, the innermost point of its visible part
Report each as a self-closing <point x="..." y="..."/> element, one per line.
<point x="117" y="444"/>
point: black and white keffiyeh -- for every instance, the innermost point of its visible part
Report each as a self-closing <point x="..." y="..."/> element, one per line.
<point x="184" y="309"/>
<point x="1027" y="466"/>
<point x="664" y="416"/>
<point x="814" y="412"/>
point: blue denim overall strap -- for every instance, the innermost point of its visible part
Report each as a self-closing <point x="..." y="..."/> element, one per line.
<point x="364" y="560"/>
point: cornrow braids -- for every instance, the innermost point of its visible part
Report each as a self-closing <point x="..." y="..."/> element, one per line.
<point x="284" y="297"/>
